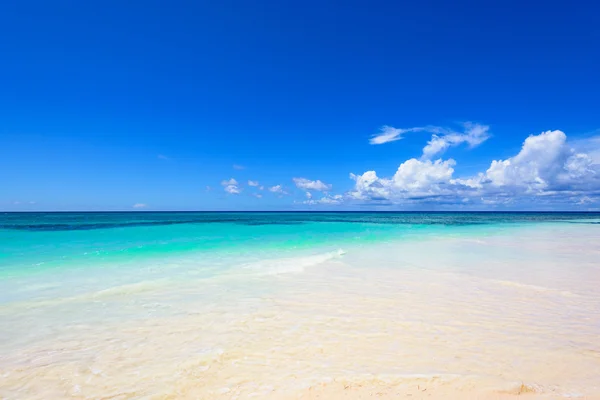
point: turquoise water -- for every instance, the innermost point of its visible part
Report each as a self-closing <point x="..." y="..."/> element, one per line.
<point x="37" y="242"/>
<point x="79" y="252"/>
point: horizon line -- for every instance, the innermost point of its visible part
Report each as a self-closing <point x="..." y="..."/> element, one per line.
<point x="299" y="211"/>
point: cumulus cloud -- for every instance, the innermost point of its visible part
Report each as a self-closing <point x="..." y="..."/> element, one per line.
<point x="232" y="189"/>
<point x="229" y="182"/>
<point x="253" y="183"/>
<point x="140" y="205"/>
<point x="545" y="163"/>
<point x="231" y="186"/>
<point x="547" y="168"/>
<point x="277" y="189"/>
<point x="308" y="195"/>
<point x="413" y="179"/>
<point x="306" y="184"/>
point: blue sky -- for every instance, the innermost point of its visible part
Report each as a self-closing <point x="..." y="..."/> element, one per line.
<point x="108" y="105"/>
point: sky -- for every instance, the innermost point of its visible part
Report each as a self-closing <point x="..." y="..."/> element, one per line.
<point x="312" y="105"/>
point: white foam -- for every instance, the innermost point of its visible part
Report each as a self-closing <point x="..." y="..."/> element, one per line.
<point x="291" y="264"/>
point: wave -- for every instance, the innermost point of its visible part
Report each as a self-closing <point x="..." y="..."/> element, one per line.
<point x="123" y="290"/>
<point x="290" y="264"/>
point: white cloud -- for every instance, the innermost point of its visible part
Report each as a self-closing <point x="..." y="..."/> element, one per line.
<point x="306" y="184"/>
<point x="442" y="139"/>
<point x="277" y="189"/>
<point x="308" y="195"/>
<point x="162" y="157"/>
<point x="232" y="189"/>
<point x="16" y="203"/>
<point x="545" y="163"/>
<point x="585" y="200"/>
<point x="261" y="187"/>
<point x="547" y="168"/>
<point x="257" y="195"/>
<point x="229" y="182"/>
<point x="589" y="146"/>
<point x="414" y="178"/>
<point x="231" y="186"/>
<point x="208" y="188"/>
<point x="388" y="134"/>
<point x="253" y="183"/>
<point x="140" y="205"/>
<point x="326" y="200"/>
<point x="423" y="176"/>
<point x="238" y="167"/>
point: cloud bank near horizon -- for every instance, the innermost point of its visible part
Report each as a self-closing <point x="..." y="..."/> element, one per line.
<point x="548" y="170"/>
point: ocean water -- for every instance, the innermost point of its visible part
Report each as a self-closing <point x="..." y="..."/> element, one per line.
<point x="294" y="305"/>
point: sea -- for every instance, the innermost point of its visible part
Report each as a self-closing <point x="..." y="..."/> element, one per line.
<point x="177" y="305"/>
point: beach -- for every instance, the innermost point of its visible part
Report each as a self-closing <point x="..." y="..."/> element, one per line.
<point x="313" y="306"/>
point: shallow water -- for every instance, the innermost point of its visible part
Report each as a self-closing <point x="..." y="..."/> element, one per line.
<point x="278" y="305"/>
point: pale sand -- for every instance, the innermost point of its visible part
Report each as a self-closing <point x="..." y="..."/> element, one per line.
<point x="406" y="391"/>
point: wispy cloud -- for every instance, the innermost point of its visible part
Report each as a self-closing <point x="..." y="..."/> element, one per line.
<point x="390" y="134"/>
<point x="238" y="167"/>
<point x="589" y="145"/>
<point x="140" y="205"/>
<point x="257" y="195"/>
<point x="277" y="189"/>
<point x="163" y="157"/>
<point x="306" y="184"/>
<point x="443" y="138"/>
<point x="326" y="200"/>
<point x="253" y="183"/>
